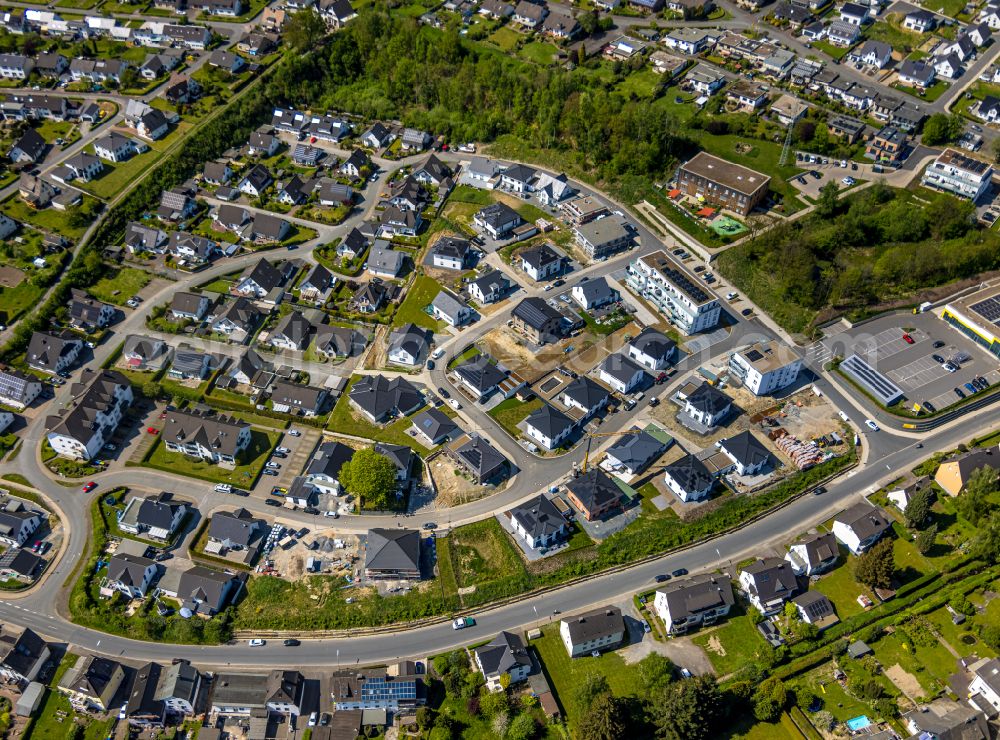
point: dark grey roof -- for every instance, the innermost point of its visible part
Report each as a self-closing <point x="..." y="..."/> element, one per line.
<point x="393" y="550"/>
<point x="690" y="473"/>
<point x="690" y="597"/>
<point x="14" y="384"/>
<point x="185" y="302"/>
<point x="481" y="373"/>
<point x="621" y="367"/>
<point x="654" y="343"/>
<point x="379" y="395"/>
<point x="503" y="653"/>
<point x="297" y="395"/>
<point x="264" y="274"/>
<point x="497" y="214"/>
<point x="400" y="455"/>
<point x="449" y="304"/>
<point x="127" y="569"/>
<point x="772" y="578"/>
<point x="178" y="681"/>
<point x="602" y="622"/>
<point x="815" y="604"/>
<point x="340" y="339"/>
<point x="637" y="451"/>
<point x="295" y="327"/>
<point x="535" y="312"/>
<point x="205" y="584"/>
<point x="520" y="173"/>
<point x="217" y="433"/>
<point x="586" y="392"/>
<point x="434" y="167"/>
<point x="864" y="520"/>
<point x="746" y="449"/>
<point x="21" y="652"/>
<point x="452" y="246"/>
<point x="708" y="399"/>
<point x="142" y="692"/>
<point x="594" y="489"/>
<point x="819" y="547"/>
<point x="481" y="456"/>
<point x="31" y="143"/>
<point x="239" y="527"/>
<point x="596" y="290"/>
<point x="494" y="279"/>
<point x="329" y="459"/>
<point x="412" y="339"/>
<point x="549" y="420"/>
<point x="45" y="348"/>
<point x="158" y="511"/>
<point x="435" y="424"/>
<point x="539" y="517"/>
<point x="23" y="562"/>
<point x="540" y="256"/>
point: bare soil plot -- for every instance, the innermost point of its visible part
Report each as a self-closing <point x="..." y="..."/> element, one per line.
<point x="10" y="277"/>
<point x="453" y="487"/>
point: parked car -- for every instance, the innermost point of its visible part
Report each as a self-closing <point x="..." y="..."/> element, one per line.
<point x="938" y="344"/>
<point x="679" y="572"/>
<point x="295" y="432"/>
<point x="661" y="578"/>
<point x="462" y="622"/>
<point x="283" y="450"/>
<point x="908" y="339"/>
<point x="938" y="359"/>
<point x="256" y="642"/>
<point x="958" y="392"/>
<point x="152" y="430"/>
<point x="443" y="393"/>
<point x="89" y="487"/>
<point x="269" y="471"/>
<point x="271" y="502"/>
<point x="871" y="425"/>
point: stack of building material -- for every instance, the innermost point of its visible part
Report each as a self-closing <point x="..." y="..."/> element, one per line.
<point x="803" y="454"/>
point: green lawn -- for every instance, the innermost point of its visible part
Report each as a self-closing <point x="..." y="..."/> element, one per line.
<point x="897" y="37"/>
<point x="643" y="84"/>
<point x="469" y="194"/>
<point x="511" y="412"/>
<point x="835" y="699"/>
<point x="411" y="310"/>
<point x="118" y="176"/>
<point x="930" y="94"/>
<point x="841" y="588"/>
<point x="15" y="301"/>
<point x="738" y="639"/>
<point x="482" y="552"/>
<point x="539" y="52"/>
<point x="49" y="219"/>
<point x="120" y="286"/>
<point x="465" y="356"/>
<point x="763" y="156"/>
<point x="55" y="716"/>
<point x="506" y="38"/>
<point x="931" y="665"/>
<point x="346" y="420"/>
<point x="566" y="674"/>
<point x="833" y="50"/>
<point x="261" y="445"/>
<point x="972" y="95"/>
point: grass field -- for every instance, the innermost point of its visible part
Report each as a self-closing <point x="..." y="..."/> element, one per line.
<point x="245" y="475"/>
<point x="48" y="219"/>
<point x="841" y="588"/>
<point x="929" y="94"/>
<point x="642" y="84"/>
<point x="511" y="412"/>
<point x="482" y="552"/>
<point x="566" y="674"/>
<point x="732" y="645"/>
<point x="898" y="38"/>
<point x="539" y="52"/>
<point x="120" y="286"/>
<point x="15" y="301"/>
<point x="833" y="50"/>
<point x="506" y="38"/>
<point x="419" y="295"/>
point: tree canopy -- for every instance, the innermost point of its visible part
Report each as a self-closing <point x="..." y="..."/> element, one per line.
<point x="876" y="567"/>
<point x="371" y="476"/>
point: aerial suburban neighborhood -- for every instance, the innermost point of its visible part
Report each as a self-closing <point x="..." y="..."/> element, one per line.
<point x="486" y="369"/>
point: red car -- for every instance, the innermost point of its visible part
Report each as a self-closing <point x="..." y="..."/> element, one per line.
<point x="163" y="415"/>
<point x="89" y="487"/>
<point x="908" y="339"/>
<point x="152" y="430"/>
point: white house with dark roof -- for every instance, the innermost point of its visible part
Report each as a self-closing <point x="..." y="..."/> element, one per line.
<point x="215" y="439"/>
<point x="748" y="454"/>
<point x="409" y="344"/>
<point x="985" y="686"/>
<point x="191" y="306"/>
<point x="490" y="287"/>
<point x="689" y="479"/>
<point x="538" y="522"/>
<point x="541" y="262"/>
<point x="622" y="373"/>
<point x="860" y="526"/>
<point x="157" y="517"/>
<point x="130" y="574"/>
<point x="597" y="630"/>
<point x="584" y="395"/>
<point x="18" y="389"/>
<point x="504" y="655"/>
<point x="633" y="453"/>
<point x="549" y="426"/>
<point x="594" y="293"/>
<point x="652" y="349"/>
<point x="814" y="553"/>
<point x="434" y="426"/>
<point x="768" y="583"/>
<point x="450" y="309"/>
<point x="451" y="253"/>
<point x="707" y="405"/>
<point x="696" y="601"/>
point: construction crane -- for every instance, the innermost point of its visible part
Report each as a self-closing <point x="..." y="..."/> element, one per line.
<point x="590" y="438"/>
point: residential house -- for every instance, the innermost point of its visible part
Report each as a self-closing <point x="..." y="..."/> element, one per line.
<point x="504" y="655"/>
<point x="652" y="349"/>
<point x="18" y="523"/>
<point x="217" y="173"/>
<point x="23" y="656"/>
<point x="215" y="439"/>
<point x="191" y="306"/>
<point x="207" y="591"/>
<point x="538" y="522"/>
<point x="368" y="298"/>
<point x="392" y="554"/>
<point x="377" y="136"/>
<point x="541" y="262"/>
<point x="451" y="309"/>
<point x="256" y="181"/>
<point x="920" y="21"/>
<point x="230" y="63"/>
<point x="689" y="479"/>
<point x="748" y="454"/>
<point x="601" y="238"/>
<point x="765" y="367"/>
<point x="258" y="281"/>
<point x="451" y="253"/>
<point x="595" y="494"/>
<point x="560" y="26"/>
<point x="53" y="353"/>
<point x="873" y="53"/>
<point x="414" y="139"/>
<point x="130" y="575"/>
<point x="84" y="167"/>
<point x="145" y="353"/>
<point x="238" y="319"/>
<point x="593" y="631"/>
<point x="481" y="376"/>
<point x="394" y="690"/>
<point x="383" y="261"/>
<point x="28" y="149"/>
<point x="190" y="249"/>
<point x="916" y="73"/>
<point x="958" y="174"/>
<point x="409" y="345"/>
<point x="860" y="526"/>
<point x="705" y="80"/>
<point x="92" y="683"/>
<point x="293" y="332"/>
<point x="768" y="583"/>
<point x="621" y="373"/>
<point x="140" y="238"/>
<point x="631" y="454"/>
<point x="707" y="405"/>
<point x="497" y="219"/>
<point x="479" y="459"/>
<point x="189" y="364"/>
<point x="34" y="191"/>
<point x="536" y="319"/>
<point x="434" y="426"/>
<point x="85" y="426"/>
<point x="88" y="313"/>
<point x="815" y="608"/>
<point x="583" y="396"/>
<point x="317" y="285"/>
<point x="548" y="426"/>
<point x="954" y="474"/>
<point x="528" y="14"/>
<point x="323" y="471"/>
<point x="594" y="293"/>
<point x="699" y="600"/>
<point x="489" y="287"/>
<point x="18" y="389"/>
<point x="813" y="553"/>
<point x="380" y="398"/>
<point x="293" y="398"/>
<point x="432" y="171"/>
<point x="156" y="517"/>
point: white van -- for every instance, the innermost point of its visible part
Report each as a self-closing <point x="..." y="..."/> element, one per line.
<point x="224" y="488"/>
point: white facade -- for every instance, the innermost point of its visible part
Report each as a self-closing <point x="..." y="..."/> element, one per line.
<point x="657" y="279"/>
<point x="959" y="175"/>
<point x="765" y="368"/>
<point x="585" y="648"/>
<point x="622" y="385"/>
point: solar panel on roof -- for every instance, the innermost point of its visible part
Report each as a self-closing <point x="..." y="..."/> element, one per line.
<point x="988" y="309"/>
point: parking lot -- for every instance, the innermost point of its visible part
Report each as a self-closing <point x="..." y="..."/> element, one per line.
<point x="916" y="368"/>
<point x="300" y="451"/>
<point x="810" y="184"/>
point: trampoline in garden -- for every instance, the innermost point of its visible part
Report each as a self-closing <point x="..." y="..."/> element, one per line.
<point x="725" y="226"/>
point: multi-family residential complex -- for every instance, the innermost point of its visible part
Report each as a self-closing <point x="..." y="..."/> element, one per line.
<point x="85" y="426"/>
<point x="732" y="186"/>
<point x="765" y="367"/>
<point x="955" y="173"/>
<point x="660" y="281"/>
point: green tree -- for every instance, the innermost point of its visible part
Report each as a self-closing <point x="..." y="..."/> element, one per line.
<point x="522" y="727"/>
<point x="986" y="543"/>
<point x="769" y="699"/>
<point x="588" y="21"/>
<point x="876" y="567"/>
<point x="604" y="719"/>
<point x="691" y="709"/>
<point x="370" y="476"/>
<point x="942" y="128"/>
<point x="919" y="507"/>
<point x="826" y="205"/>
<point x="303" y="31"/>
<point x="494" y="703"/>
<point x="973" y="504"/>
<point x="925" y="539"/>
<point x="995" y="147"/>
<point x="655" y="670"/>
<point x="593" y="685"/>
